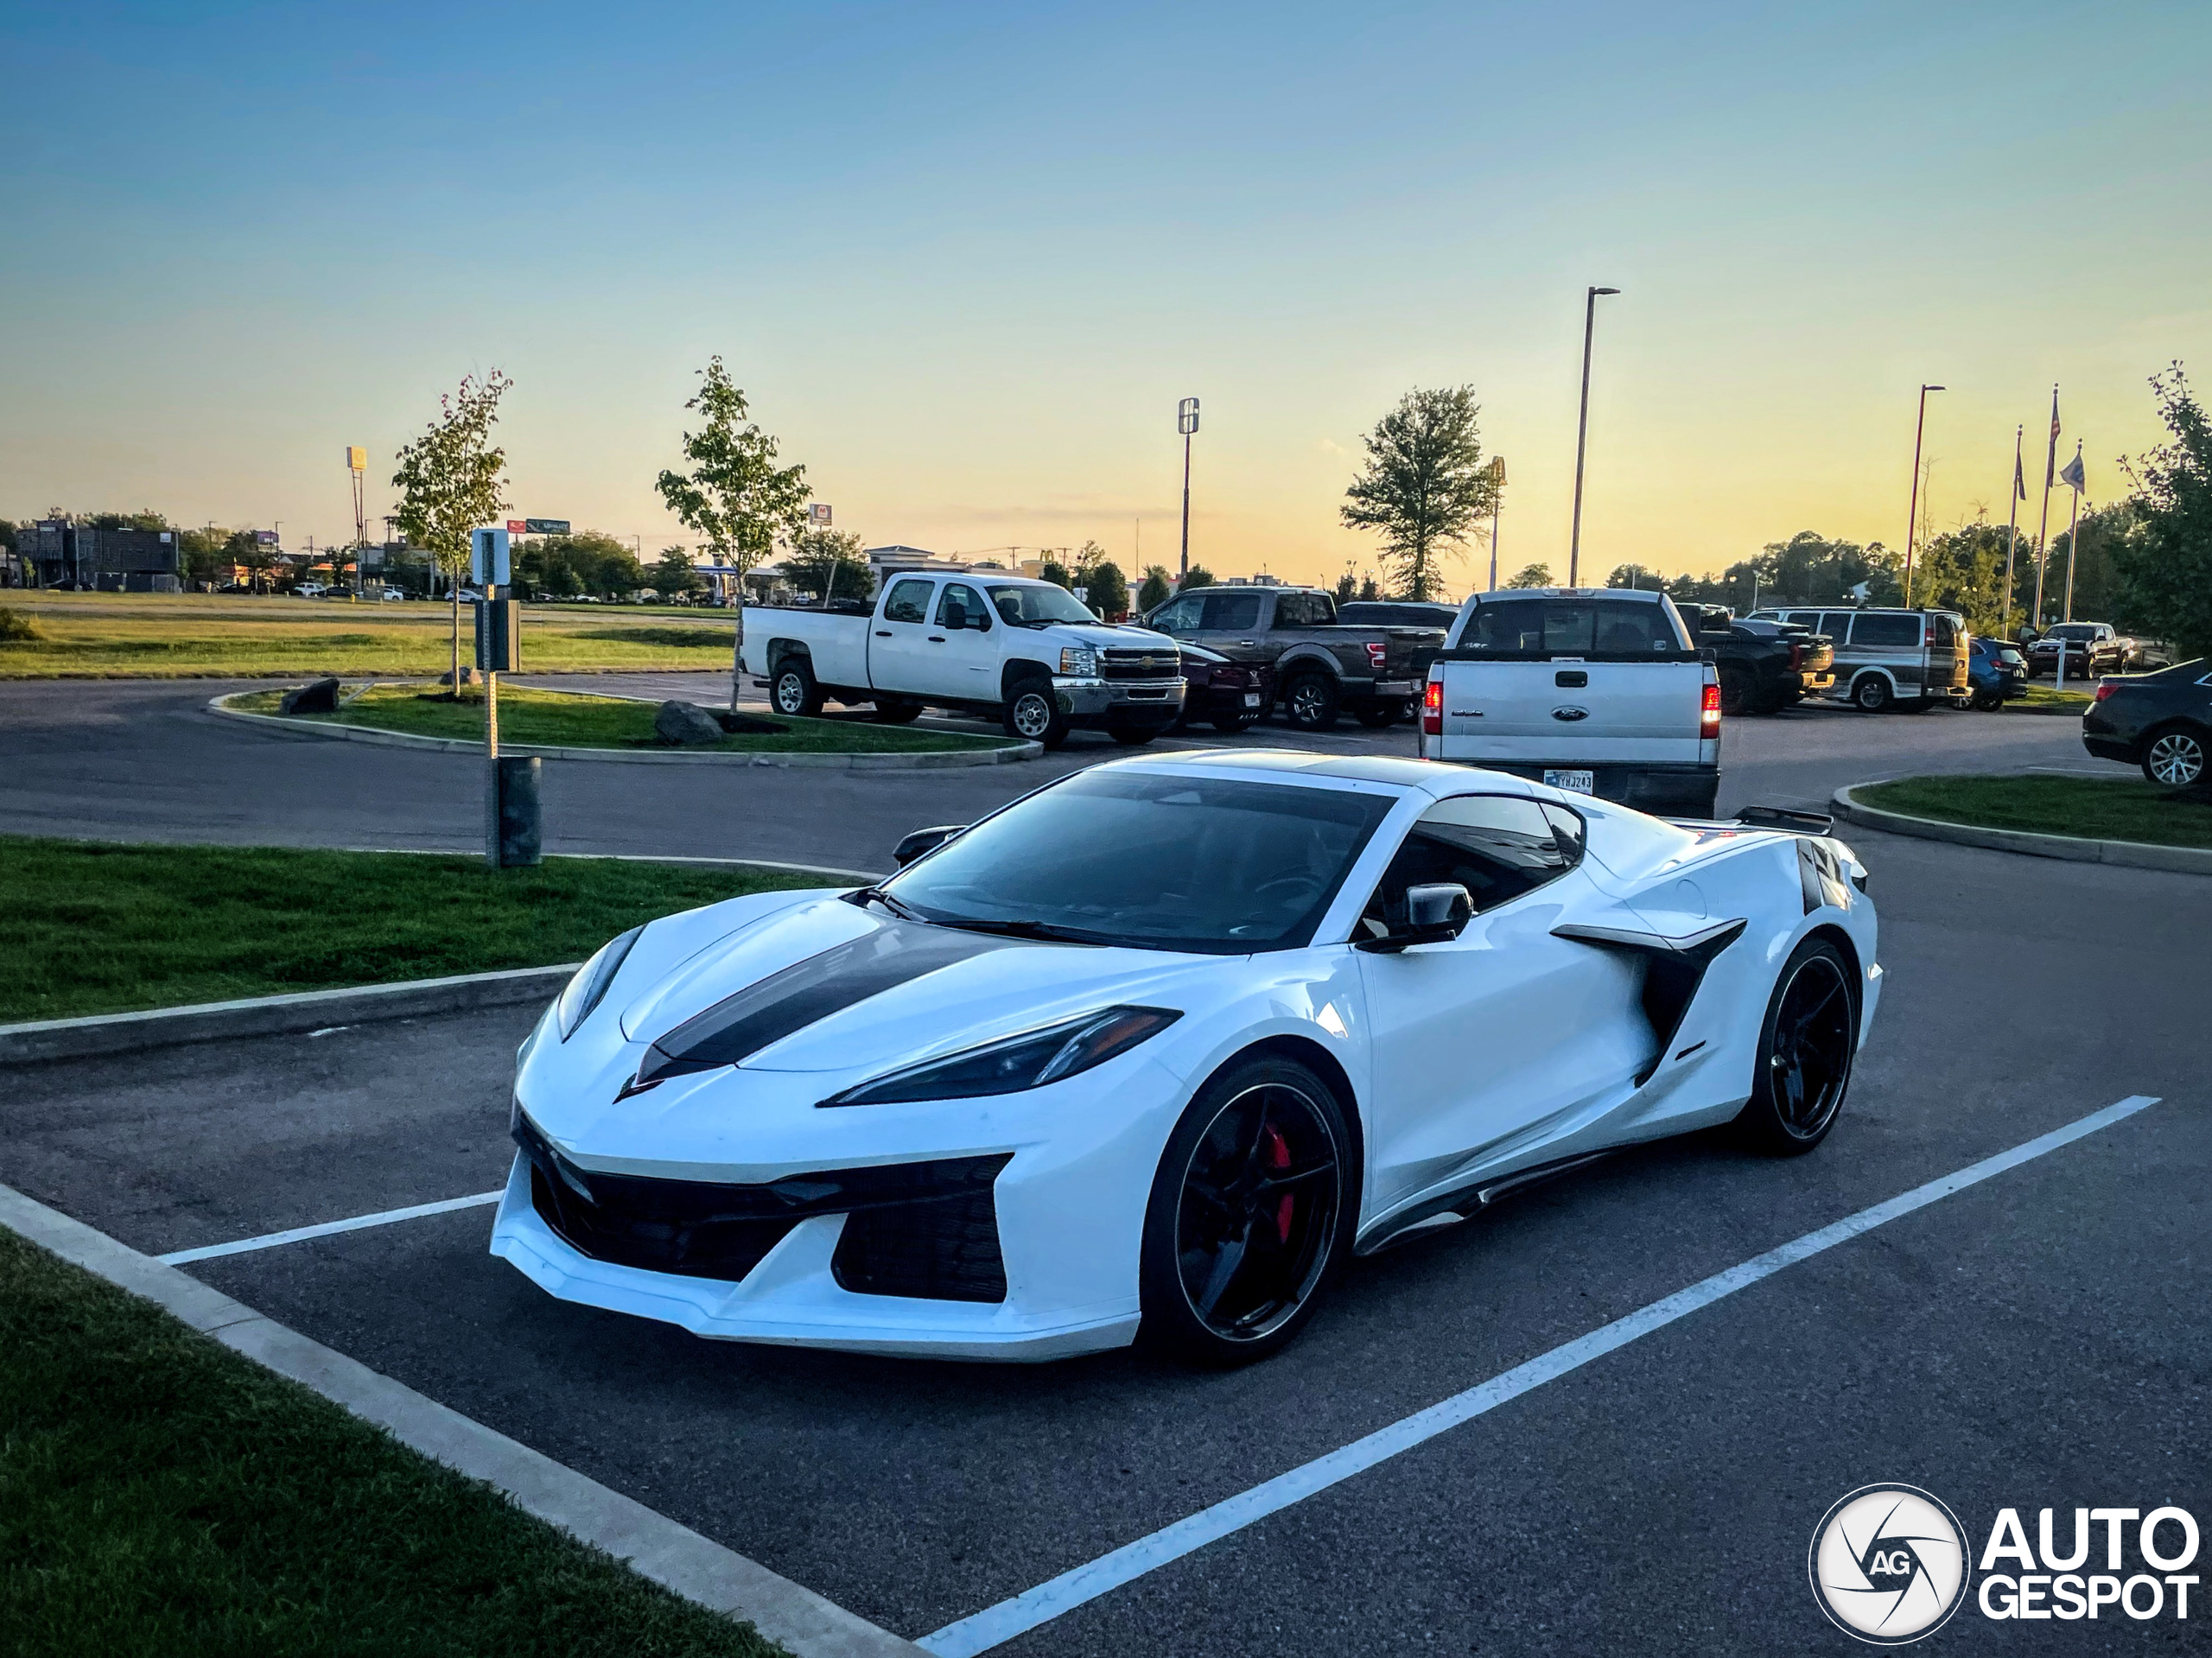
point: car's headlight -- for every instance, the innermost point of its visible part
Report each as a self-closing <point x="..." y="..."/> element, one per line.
<point x="1029" y="1060"/>
<point x="589" y="988"/>
<point x="1081" y="660"/>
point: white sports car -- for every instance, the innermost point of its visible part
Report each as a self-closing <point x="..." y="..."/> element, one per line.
<point x="1151" y="1050"/>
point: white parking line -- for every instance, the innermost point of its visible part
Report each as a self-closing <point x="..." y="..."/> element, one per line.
<point x="1026" y="1611"/>
<point x="358" y="1222"/>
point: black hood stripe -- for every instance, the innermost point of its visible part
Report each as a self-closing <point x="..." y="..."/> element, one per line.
<point x="740" y="1025"/>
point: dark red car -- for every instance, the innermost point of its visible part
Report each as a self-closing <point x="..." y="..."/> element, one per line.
<point x="1232" y="697"/>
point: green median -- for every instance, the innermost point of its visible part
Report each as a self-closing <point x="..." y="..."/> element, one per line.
<point x="88" y="928"/>
<point x="2096" y="809"/>
<point x="540" y="719"/>
<point x="160" y="1495"/>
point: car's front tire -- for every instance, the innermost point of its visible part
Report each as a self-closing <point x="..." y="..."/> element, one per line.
<point x="2175" y="758"/>
<point x="1807" y="1043"/>
<point x="1032" y="712"/>
<point x="795" y="695"/>
<point x="1252" y="1210"/>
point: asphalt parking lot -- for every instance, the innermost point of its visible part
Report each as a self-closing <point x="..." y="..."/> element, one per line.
<point x="2036" y="1339"/>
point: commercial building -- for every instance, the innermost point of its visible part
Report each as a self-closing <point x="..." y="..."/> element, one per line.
<point x="57" y="552"/>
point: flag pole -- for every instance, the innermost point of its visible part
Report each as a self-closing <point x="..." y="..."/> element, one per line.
<point x="1912" y="512"/>
<point x="2074" y="532"/>
<point x="2012" y="530"/>
<point x="2043" y="546"/>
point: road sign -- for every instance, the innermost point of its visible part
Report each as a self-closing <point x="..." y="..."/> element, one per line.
<point x="544" y="526"/>
<point x="818" y="513"/>
<point x="1187" y="416"/>
<point x="489" y="552"/>
<point x="264" y="537"/>
<point x="357" y="458"/>
<point x="517" y="526"/>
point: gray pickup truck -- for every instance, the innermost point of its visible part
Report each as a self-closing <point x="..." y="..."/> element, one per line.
<point x="1321" y="669"/>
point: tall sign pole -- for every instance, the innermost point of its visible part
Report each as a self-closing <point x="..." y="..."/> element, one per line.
<point x="2012" y="530"/>
<point x="1582" y="436"/>
<point x="489" y="559"/>
<point x="1497" y="509"/>
<point x="1912" y="512"/>
<point x="2049" y="467"/>
<point x="357" y="463"/>
<point x="1186" y="422"/>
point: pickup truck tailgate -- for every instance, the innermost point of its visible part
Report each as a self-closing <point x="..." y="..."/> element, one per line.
<point x="1568" y="712"/>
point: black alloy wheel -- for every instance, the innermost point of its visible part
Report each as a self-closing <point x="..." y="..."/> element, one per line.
<point x="1033" y="713"/>
<point x="1735" y="691"/>
<point x="1312" y="702"/>
<point x="1871" y="692"/>
<point x="797" y="696"/>
<point x="1252" y="1206"/>
<point x="2174" y="759"/>
<point x="1805" y="1048"/>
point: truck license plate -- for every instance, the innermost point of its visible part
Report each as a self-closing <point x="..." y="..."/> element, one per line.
<point x="1251" y="698"/>
<point x="1581" y="783"/>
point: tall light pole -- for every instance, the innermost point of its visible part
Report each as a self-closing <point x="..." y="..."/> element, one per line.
<point x="1187" y="422"/>
<point x="1582" y="436"/>
<point x="1497" y="509"/>
<point x="1912" y="512"/>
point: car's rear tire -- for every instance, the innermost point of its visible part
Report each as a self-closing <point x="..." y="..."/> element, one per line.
<point x="1807" y="1043"/>
<point x="1989" y="702"/>
<point x="889" y="712"/>
<point x="1033" y="713"/>
<point x="794" y="692"/>
<point x="1735" y="691"/>
<point x="1312" y="701"/>
<point x="2174" y="758"/>
<point x="1252" y="1210"/>
<point x="1871" y="692"/>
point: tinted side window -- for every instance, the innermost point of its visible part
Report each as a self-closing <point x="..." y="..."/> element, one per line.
<point x="1232" y="613"/>
<point x="1836" y="624"/>
<point x="1806" y="619"/>
<point x="908" y="600"/>
<point x="1496" y="847"/>
<point x="1181" y="616"/>
<point x="1939" y="631"/>
<point x="962" y="606"/>
<point x="1569" y="626"/>
<point x="1885" y="633"/>
<point x="1302" y="610"/>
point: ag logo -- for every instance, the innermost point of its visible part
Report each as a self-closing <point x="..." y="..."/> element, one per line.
<point x="1888" y="1564"/>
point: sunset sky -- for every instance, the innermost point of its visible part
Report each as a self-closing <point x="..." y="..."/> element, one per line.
<point x="965" y="258"/>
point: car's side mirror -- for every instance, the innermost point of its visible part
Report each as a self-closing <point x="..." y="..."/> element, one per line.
<point x="1434" y="914"/>
<point x="923" y="839"/>
<point x="954" y="617"/>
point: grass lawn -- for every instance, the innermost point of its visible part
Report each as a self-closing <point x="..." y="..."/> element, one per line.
<point x="561" y="719"/>
<point x="2050" y="699"/>
<point x="160" y="1495"/>
<point x="234" y="636"/>
<point x="2119" y="809"/>
<point x="86" y="928"/>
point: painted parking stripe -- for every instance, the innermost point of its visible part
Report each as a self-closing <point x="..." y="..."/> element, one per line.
<point x="329" y="1229"/>
<point x="1026" y="1611"/>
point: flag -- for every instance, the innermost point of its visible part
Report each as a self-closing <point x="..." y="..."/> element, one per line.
<point x="2019" y="477"/>
<point x="2050" y="459"/>
<point x="2071" y="475"/>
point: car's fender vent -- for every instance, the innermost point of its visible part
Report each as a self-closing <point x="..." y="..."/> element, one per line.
<point x="941" y="1249"/>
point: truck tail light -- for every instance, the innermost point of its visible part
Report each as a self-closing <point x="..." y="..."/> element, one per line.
<point x="1796" y="655"/>
<point x="1378" y="654"/>
<point x="2105" y="690"/>
<point x="1709" y="717"/>
<point x="1432" y="709"/>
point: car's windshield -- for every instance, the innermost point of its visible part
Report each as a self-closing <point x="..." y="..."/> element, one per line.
<point x="1155" y="862"/>
<point x="1034" y="606"/>
<point x="2073" y="631"/>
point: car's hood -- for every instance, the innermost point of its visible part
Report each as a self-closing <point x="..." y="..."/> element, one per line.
<point x="827" y="985"/>
<point x="1117" y="638"/>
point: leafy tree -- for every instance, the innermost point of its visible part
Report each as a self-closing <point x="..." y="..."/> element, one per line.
<point x="144" y="518"/>
<point x="1157" y="588"/>
<point x="2165" y="566"/>
<point x="1108" y="589"/>
<point x="247" y="549"/>
<point x="1370" y="589"/>
<point x="1347" y="586"/>
<point x="2099" y="593"/>
<point x="1532" y="575"/>
<point x="1635" y="575"/>
<point x="203" y="555"/>
<point x="449" y="482"/>
<point x="1198" y="577"/>
<point x="734" y="498"/>
<point x="1424" y="486"/>
<point x="831" y="564"/>
<point x="1057" y="573"/>
<point x="675" y="575"/>
<point x="1963" y="569"/>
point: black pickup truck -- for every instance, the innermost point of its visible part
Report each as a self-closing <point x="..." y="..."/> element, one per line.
<point x="1765" y="666"/>
<point x="1321" y="668"/>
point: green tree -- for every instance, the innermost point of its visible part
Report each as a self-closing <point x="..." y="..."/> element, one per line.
<point x="258" y="559"/>
<point x="1058" y="573"/>
<point x="1198" y="577"/>
<point x="1370" y="589"/>
<point x="829" y="564"/>
<point x="450" y="482"/>
<point x="1347" y="587"/>
<point x="1635" y="575"/>
<point x="1107" y="587"/>
<point x="735" y="497"/>
<point x="1157" y="588"/>
<point x="2099" y="593"/>
<point x="1424" y="486"/>
<point x="203" y="555"/>
<point x="1532" y="575"/>
<point x="675" y="577"/>
<point x="2164" y="568"/>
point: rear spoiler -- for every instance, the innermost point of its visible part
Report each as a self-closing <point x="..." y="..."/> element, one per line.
<point x="1785" y="819"/>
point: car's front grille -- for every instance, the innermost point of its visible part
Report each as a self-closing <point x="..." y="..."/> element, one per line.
<point x="1139" y="664"/>
<point x="915" y="1228"/>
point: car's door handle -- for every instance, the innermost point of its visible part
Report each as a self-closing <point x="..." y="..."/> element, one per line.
<point x="1248" y="642"/>
<point x="936" y="639"/>
<point x="883" y="632"/>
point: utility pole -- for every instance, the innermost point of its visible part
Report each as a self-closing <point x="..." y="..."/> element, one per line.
<point x="1186" y="422"/>
<point x="1496" y="509"/>
<point x="1912" y="512"/>
<point x="1582" y="436"/>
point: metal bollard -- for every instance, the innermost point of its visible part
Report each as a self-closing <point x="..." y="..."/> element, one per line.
<point x="521" y="823"/>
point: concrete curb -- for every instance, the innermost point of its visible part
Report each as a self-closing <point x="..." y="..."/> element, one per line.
<point x="952" y="759"/>
<point x="2132" y="854"/>
<point x="655" y="1546"/>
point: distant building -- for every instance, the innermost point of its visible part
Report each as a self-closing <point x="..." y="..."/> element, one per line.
<point x="58" y="552"/>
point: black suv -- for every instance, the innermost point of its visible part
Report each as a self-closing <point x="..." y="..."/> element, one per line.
<point x="2161" y="721"/>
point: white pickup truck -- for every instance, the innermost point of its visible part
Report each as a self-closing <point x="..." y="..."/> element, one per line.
<point x="1026" y="652"/>
<point x="1597" y="691"/>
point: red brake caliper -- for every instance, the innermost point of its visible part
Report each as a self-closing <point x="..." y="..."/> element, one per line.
<point x="1279" y="1158"/>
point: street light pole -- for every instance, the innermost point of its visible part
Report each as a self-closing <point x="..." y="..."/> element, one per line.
<point x="1582" y="436"/>
<point x="1496" y="512"/>
<point x="1186" y="422"/>
<point x="1912" y="512"/>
